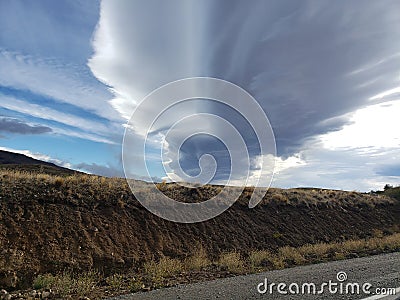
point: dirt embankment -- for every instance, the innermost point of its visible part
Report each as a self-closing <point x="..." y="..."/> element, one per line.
<point x="51" y="223"/>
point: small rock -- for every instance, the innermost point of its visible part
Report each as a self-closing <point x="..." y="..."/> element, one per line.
<point x="352" y="255"/>
<point x="45" y="295"/>
<point x="33" y="294"/>
<point x="4" y="295"/>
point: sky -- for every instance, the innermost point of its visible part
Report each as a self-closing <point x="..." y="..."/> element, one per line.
<point x="325" y="73"/>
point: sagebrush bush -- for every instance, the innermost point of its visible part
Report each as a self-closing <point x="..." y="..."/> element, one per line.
<point x="197" y="261"/>
<point x="164" y="268"/>
<point x="116" y="281"/>
<point x="260" y="258"/>
<point x="232" y="261"/>
<point x="291" y="254"/>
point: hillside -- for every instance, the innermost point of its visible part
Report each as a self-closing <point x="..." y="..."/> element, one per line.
<point x="393" y="192"/>
<point x="50" y="223"/>
<point x="16" y="161"/>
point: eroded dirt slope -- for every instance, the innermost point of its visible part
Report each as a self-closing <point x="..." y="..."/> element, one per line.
<point x="51" y="223"/>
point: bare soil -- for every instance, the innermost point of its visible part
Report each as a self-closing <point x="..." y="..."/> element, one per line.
<point x="50" y="224"/>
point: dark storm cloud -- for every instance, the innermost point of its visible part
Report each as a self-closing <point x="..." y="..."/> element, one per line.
<point x="12" y="125"/>
<point x="308" y="63"/>
<point x="389" y="170"/>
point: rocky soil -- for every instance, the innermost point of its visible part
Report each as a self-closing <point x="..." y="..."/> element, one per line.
<point x="50" y="224"/>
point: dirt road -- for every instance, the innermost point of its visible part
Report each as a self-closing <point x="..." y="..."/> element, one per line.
<point x="371" y="273"/>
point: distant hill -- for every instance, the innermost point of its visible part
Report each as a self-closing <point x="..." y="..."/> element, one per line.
<point x="16" y="161"/>
<point x="7" y="158"/>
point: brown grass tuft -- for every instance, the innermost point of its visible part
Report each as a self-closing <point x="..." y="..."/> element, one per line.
<point x="260" y="258"/>
<point x="164" y="268"/>
<point x="197" y="261"/>
<point x="232" y="261"/>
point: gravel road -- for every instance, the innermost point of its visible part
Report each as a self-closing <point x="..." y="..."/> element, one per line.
<point x="381" y="271"/>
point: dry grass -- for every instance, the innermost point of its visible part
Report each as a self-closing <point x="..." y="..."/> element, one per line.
<point x="278" y="262"/>
<point x="280" y="198"/>
<point x="116" y="281"/>
<point x="155" y="274"/>
<point x="232" y="261"/>
<point x="98" y="184"/>
<point x="66" y="283"/>
<point x="260" y="258"/>
<point x="319" y="250"/>
<point x="314" y="197"/>
<point x="197" y="261"/>
<point x="292" y="255"/>
<point x="165" y="267"/>
<point x="135" y="285"/>
<point x="322" y="251"/>
<point x="386" y="243"/>
<point x="352" y="246"/>
<point x="59" y="181"/>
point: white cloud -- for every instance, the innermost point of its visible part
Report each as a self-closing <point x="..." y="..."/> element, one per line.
<point x="351" y="158"/>
<point x="139" y="48"/>
<point x="375" y="126"/>
<point x="86" y="129"/>
<point x="272" y="166"/>
<point x="46" y="113"/>
<point x="347" y="169"/>
<point x="83" y="135"/>
<point x="394" y="91"/>
<point x="62" y="82"/>
<point x="97" y="129"/>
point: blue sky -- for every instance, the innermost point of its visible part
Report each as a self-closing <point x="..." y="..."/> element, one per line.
<point x="327" y="74"/>
<point x="45" y="81"/>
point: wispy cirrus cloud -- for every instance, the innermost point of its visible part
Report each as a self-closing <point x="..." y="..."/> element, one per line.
<point x="67" y="83"/>
<point x="44" y="81"/>
<point x="84" y="128"/>
<point x="43" y="54"/>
